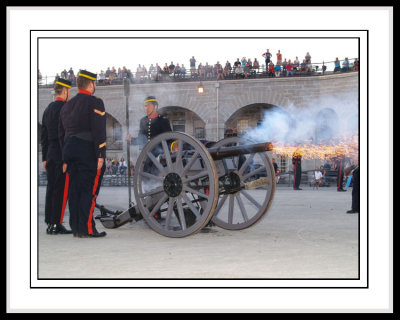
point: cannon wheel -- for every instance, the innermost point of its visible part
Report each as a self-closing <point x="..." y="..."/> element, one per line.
<point x="174" y="187"/>
<point x="242" y="209"/>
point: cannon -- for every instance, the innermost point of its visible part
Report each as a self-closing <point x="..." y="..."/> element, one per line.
<point x="181" y="186"/>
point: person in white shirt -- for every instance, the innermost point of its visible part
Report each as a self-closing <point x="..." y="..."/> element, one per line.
<point x="317" y="177"/>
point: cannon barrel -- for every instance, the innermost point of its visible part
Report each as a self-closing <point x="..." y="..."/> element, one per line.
<point x="219" y="153"/>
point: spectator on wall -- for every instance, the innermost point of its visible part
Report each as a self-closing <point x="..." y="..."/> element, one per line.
<point x="153" y="72"/>
<point x="71" y="74"/>
<point x="236" y="64"/>
<point x="356" y="65"/>
<point x="208" y="70"/>
<point x="289" y="69"/>
<point x="220" y="71"/>
<point x="247" y="67"/>
<point x="192" y="66"/>
<point x="279" y="58"/>
<point x="308" y="58"/>
<point x="267" y="56"/>
<point x="256" y="65"/>
<point x="177" y="71"/>
<point x="337" y="65"/>
<point x="296" y="64"/>
<point x="271" y="69"/>
<point x="171" y="68"/>
<point x="345" y="65"/>
<point x="165" y="71"/>
<point x="108" y="72"/>
<point x="64" y="74"/>
<point x="183" y="71"/>
<point x="202" y="72"/>
<point x="243" y="62"/>
<point x="303" y="66"/>
<point x="227" y="69"/>
<point x="284" y="63"/>
<point x="278" y="69"/>
<point x="102" y="77"/>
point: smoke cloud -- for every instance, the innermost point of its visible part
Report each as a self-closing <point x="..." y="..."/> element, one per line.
<point x="331" y="121"/>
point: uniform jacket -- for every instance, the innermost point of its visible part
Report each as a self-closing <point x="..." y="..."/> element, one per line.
<point x="149" y="128"/>
<point x="84" y="115"/>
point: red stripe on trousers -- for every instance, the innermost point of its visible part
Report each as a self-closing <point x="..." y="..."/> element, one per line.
<point x="66" y="186"/>
<point x="295" y="169"/>
<point x="96" y="182"/>
<point x="340" y="177"/>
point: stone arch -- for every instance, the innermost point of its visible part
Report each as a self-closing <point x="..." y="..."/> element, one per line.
<point x="114" y="131"/>
<point x="326" y="125"/>
<point x="259" y="115"/>
<point x="185" y="120"/>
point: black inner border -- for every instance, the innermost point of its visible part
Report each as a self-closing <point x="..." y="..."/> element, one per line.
<point x="237" y="279"/>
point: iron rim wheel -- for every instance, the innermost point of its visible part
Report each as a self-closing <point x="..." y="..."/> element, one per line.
<point x="175" y="183"/>
<point x="242" y="209"/>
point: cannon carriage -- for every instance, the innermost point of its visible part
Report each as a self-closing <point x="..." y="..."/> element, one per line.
<point x="181" y="186"/>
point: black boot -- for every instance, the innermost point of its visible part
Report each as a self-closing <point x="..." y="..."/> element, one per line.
<point x="63" y="230"/>
<point x="59" y="229"/>
<point x="48" y="229"/>
<point x="93" y="235"/>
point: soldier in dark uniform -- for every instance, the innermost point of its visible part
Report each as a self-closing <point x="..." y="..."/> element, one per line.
<point x="57" y="180"/>
<point x="296" y="161"/>
<point x="150" y="125"/>
<point x="355" y="194"/>
<point x="83" y="137"/>
<point x="339" y="165"/>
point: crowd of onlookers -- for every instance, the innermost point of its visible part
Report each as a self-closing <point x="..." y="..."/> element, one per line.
<point x="118" y="167"/>
<point x="241" y="68"/>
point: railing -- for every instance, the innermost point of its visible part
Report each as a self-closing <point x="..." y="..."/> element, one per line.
<point x="109" y="180"/>
<point x="317" y="69"/>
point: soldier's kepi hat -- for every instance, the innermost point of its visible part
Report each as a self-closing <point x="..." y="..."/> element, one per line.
<point x="151" y="99"/>
<point x="63" y="82"/>
<point x="87" y="74"/>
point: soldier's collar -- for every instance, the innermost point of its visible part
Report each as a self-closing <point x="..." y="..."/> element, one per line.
<point x="155" y="115"/>
<point x="85" y="92"/>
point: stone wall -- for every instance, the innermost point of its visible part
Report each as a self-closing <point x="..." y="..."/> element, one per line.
<point x="233" y="95"/>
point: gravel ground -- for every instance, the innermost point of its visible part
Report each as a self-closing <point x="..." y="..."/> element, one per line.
<point x="306" y="234"/>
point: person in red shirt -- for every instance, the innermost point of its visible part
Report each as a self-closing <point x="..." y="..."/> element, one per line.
<point x="289" y="68"/>
<point x="271" y="69"/>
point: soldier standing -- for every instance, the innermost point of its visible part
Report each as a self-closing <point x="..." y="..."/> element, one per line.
<point x="152" y="124"/>
<point x="339" y="164"/>
<point x="355" y="194"/>
<point x="83" y="137"/>
<point x="57" y="180"/>
<point x="296" y="161"/>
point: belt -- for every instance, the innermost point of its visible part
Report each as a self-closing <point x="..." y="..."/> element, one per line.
<point x="87" y="135"/>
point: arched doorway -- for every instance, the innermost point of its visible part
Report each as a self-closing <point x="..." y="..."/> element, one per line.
<point x="184" y="120"/>
<point x="263" y="122"/>
<point x="269" y="119"/>
<point x="114" y="135"/>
